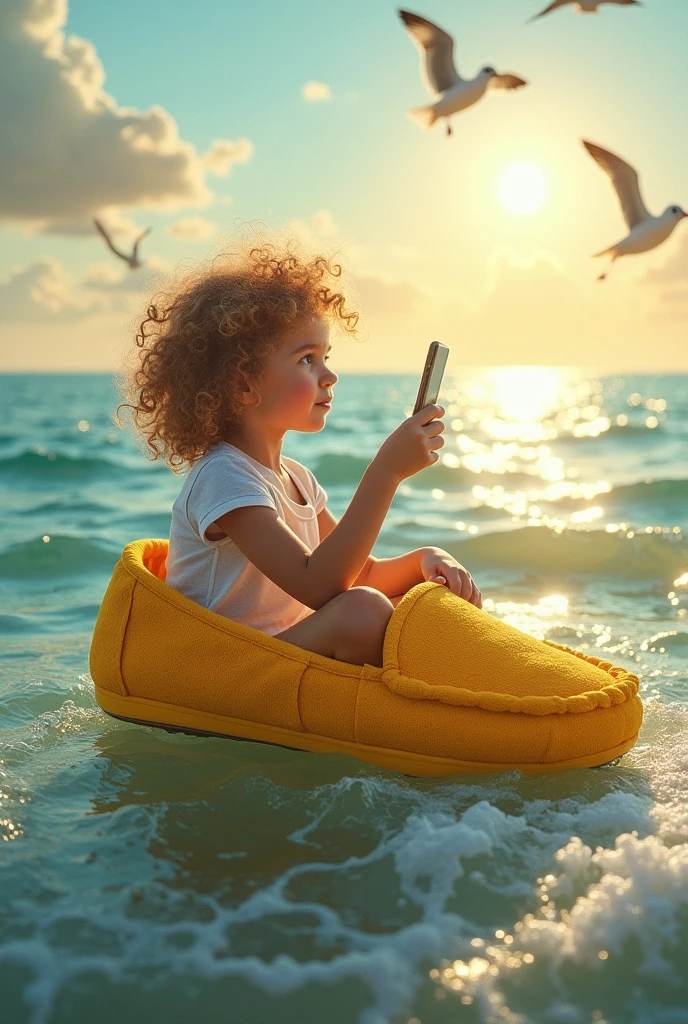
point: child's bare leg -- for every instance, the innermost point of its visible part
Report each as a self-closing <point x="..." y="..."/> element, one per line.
<point x="351" y="627"/>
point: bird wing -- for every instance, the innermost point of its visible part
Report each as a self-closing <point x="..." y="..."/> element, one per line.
<point x="507" y="81"/>
<point x="625" y="181"/>
<point x="552" y="7"/>
<point x="108" y="240"/>
<point x="135" y="250"/>
<point x="436" y="52"/>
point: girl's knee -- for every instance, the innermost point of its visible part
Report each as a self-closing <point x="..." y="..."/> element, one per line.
<point x="362" y="614"/>
<point x="368" y="608"/>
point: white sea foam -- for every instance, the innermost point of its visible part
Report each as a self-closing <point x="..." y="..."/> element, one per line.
<point x="637" y="888"/>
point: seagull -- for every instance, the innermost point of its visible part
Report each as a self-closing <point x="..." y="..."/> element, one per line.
<point x="133" y="260"/>
<point x="585" y="6"/>
<point x="451" y="92"/>
<point x="646" y="231"/>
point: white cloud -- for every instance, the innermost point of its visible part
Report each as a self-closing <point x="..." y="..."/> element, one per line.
<point x="324" y="223"/>
<point x="111" y="218"/>
<point x="314" y="92"/>
<point x="675" y="267"/>
<point x="532" y="313"/>
<point x="191" y="227"/>
<point x="224" y="153"/>
<point x="382" y="299"/>
<point x="42" y="292"/>
<point x="108" y="278"/>
<point x="312" y="233"/>
<point x="67" y="149"/>
<point x="527" y="313"/>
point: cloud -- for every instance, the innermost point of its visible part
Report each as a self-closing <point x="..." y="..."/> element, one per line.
<point x="382" y="299"/>
<point x="42" y="292"/>
<point x="107" y="278"/>
<point x="536" y="303"/>
<point x="311" y="233"/>
<point x="314" y="92"/>
<point x="112" y="220"/>
<point x="674" y="269"/>
<point x="324" y="223"/>
<point x="527" y="313"/>
<point x="68" y="149"/>
<point x="191" y="227"/>
<point x="224" y="153"/>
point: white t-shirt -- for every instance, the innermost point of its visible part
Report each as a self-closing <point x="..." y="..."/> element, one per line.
<point x="215" y="573"/>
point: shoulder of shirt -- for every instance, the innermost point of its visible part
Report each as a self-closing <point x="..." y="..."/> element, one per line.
<point x="222" y="454"/>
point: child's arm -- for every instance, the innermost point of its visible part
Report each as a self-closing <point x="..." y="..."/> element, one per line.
<point x="316" y="577"/>
<point x="326" y="524"/>
<point x="394" y="576"/>
<point x="391" y="576"/>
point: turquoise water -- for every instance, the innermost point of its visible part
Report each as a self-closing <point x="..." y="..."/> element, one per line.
<point x="164" y="877"/>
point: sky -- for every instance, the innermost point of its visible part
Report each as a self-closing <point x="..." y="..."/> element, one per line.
<point x="193" y="119"/>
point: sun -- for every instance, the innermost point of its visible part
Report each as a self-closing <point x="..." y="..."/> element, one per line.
<point x="522" y="188"/>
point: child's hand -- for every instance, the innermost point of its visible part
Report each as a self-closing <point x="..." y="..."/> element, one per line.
<point x="413" y="445"/>
<point x="438" y="566"/>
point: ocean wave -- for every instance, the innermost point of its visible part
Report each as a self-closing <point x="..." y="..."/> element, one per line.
<point x="33" y="465"/>
<point x="57" y="506"/>
<point x="642" y="492"/>
<point x="11" y="625"/>
<point x="670" y="640"/>
<point x="26" y="702"/>
<point x="340" y="468"/>
<point x="594" y="552"/>
<point x="60" y="556"/>
<point x="632" y="432"/>
<point x="334" y="468"/>
<point x="651" y="490"/>
<point x="143" y="524"/>
<point x="378" y="893"/>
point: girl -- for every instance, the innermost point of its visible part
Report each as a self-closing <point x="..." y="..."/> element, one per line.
<point x="238" y="357"/>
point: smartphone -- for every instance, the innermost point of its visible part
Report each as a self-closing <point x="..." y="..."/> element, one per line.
<point x="432" y="376"/>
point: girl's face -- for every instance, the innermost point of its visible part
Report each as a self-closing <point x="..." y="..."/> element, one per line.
<point x="298" y="382"/>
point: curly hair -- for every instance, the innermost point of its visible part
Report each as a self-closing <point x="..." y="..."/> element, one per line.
<point x="201" y="346"/>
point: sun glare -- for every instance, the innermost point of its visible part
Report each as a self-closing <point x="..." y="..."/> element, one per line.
<point x="522" y="188"/>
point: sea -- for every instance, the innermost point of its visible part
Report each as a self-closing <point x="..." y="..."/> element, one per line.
<point x="168" y="878"/>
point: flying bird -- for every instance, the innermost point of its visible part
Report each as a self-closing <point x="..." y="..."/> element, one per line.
<point x="585" y="6"/>
<point x="451" y="92"/>
<point x="132" y="260"/>
<point x="646" y="231"/>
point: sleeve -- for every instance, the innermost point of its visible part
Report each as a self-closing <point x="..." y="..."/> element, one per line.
<point x="319" y="493"/>
<point x="222" y="485"/>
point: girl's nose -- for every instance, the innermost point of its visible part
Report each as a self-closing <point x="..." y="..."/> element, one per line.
<point x="332" y="377"/>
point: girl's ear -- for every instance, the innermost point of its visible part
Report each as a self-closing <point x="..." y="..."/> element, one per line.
<point x="250" y="396"/>
<point x="247" y="396"/>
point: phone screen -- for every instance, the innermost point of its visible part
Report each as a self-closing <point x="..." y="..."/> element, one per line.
<point x="433" y="373"/>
